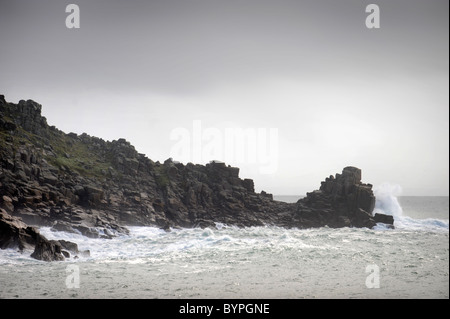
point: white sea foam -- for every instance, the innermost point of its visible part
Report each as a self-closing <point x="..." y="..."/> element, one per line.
<point x="386" y="199"/>
<point x="387" y="203"/>
<point x="253" y="262"/>
<point x="428" y="224"/>
<point x="153" y="245"/>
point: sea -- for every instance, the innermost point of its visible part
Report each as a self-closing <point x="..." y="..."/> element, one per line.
<point x="410" y="261"/>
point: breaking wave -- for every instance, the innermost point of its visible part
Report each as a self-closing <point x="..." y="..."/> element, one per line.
<point x="386" y="200"/>
<point x="387" y="203"/>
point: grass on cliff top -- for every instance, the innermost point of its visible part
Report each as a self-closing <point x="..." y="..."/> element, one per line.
<point x="3" y="139"/>
<point x="67" y="153"/>
<point x="20" y="137"/>
<point x="74" y="155"/>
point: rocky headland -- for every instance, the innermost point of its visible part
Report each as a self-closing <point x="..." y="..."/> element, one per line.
<point x="83" y="184"/>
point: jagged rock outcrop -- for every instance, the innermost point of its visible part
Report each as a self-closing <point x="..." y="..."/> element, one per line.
<point x="385" y="219"/>
<point x="47" y="250"/>
<point x="341" y="201"/>
<point x="84" y="184"/>
<point x="16" y="234"/>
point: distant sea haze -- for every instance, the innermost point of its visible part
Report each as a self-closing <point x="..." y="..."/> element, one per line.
<point x="287" y="198"/>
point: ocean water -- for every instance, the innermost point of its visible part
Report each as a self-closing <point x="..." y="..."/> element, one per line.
<point x="410" y="261"/>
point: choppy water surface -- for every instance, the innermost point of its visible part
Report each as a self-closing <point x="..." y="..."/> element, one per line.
<point x="410" y="261"/>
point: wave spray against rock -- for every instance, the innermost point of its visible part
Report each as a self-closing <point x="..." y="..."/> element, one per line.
<point x="386" y="199"/>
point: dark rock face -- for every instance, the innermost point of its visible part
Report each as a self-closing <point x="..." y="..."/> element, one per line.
<point x="14" y="233"/>
<point x="83" y="184"/>
<point x="17" y="235"/>
<point x="385" y="219"/>
<point x="341" y="201"/>
<point x="47" y="250"/>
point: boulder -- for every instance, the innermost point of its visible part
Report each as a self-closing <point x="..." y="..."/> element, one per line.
<point x="385" y="219"/>
<point x="68" y="245"/>
<point x="48" y="178"/>
<point x="47" y="250"/>
<point x="16" y="234"/>
<point x="361" y="218"/>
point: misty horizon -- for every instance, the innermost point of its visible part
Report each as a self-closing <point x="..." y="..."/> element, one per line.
<point x="337" y="93"/>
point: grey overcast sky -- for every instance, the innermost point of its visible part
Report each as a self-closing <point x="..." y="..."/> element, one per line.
<point x="337" y="92"/>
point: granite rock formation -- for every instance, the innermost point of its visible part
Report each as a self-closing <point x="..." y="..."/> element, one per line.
<point x="83" y="184"/>
<point x="16" y="234"/>
<point x="341" y="201"/>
